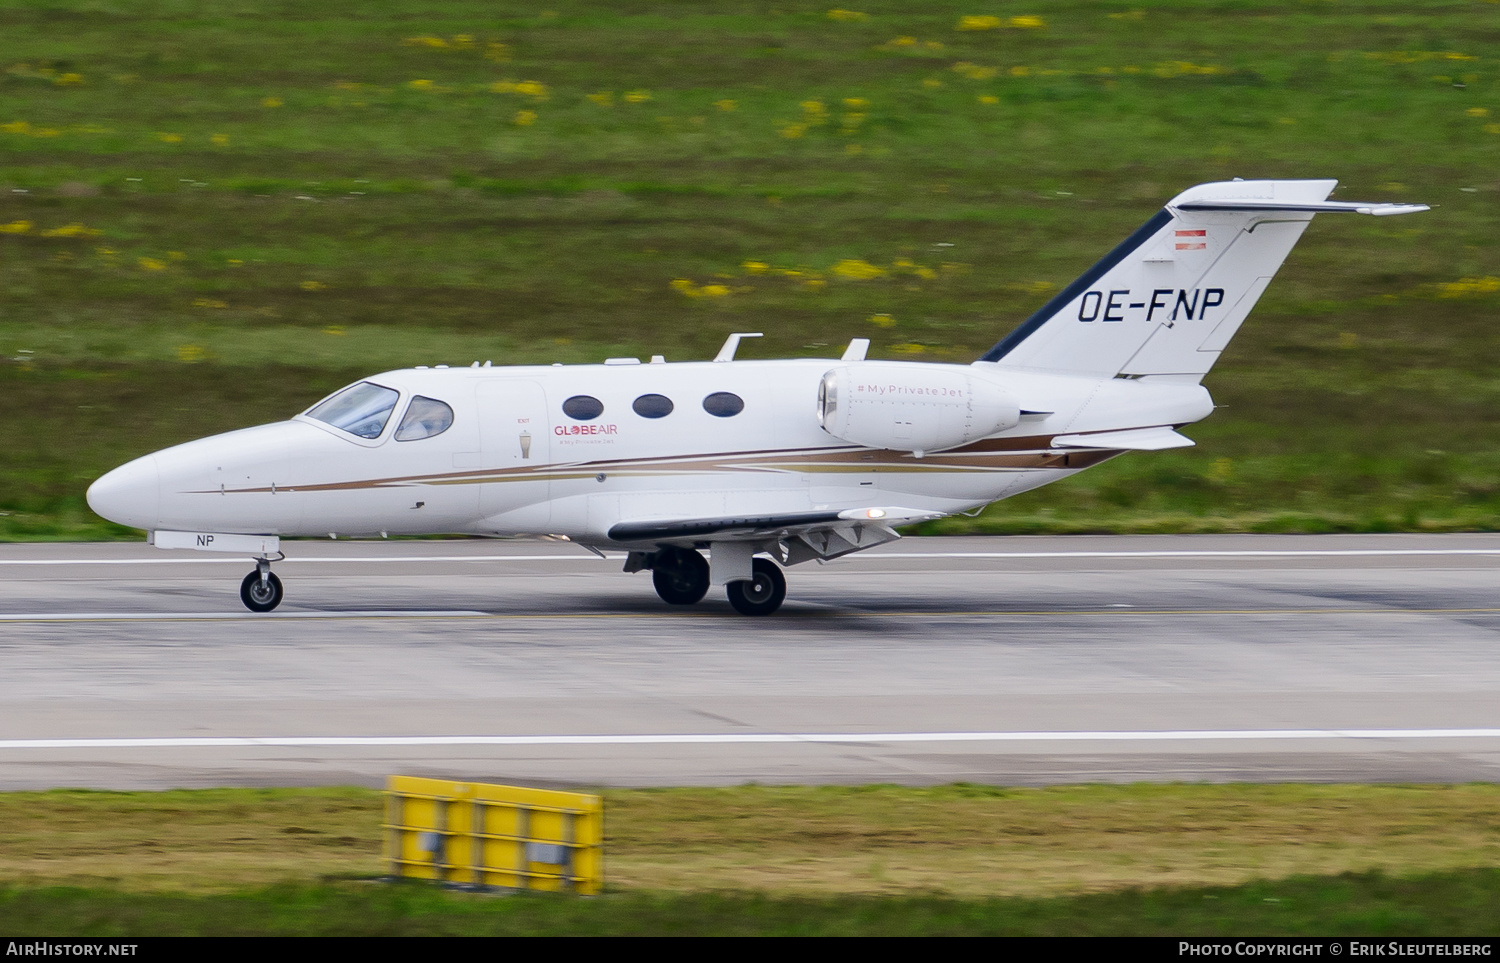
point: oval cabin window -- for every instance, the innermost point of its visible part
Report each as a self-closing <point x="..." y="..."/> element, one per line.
<point x="653" y="406"/>
<point x="583" y="407"/>
<point x="723" y="404"/>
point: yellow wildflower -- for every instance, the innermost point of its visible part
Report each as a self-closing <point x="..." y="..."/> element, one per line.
<point x="525" y="118"/>
<point x="846" y="15"/>
<point x="497" y="52"/>
<point x="15" y="227"/>
<point x="72" y="230"/>
<point x="219" y="140"/>
<point x="882" y="320"/>
<point x="1027" y="23"/>
<point x="1019" y="71"/>
<point x="437" y="42"/>
<point x="856" y="103"/>
<point x="419" y="84"/>
<point x="978" y="23"/>
<point x="190" y="353"/>
<point x="636" y="96"/>
<point x="909" y="348"/>
<point x="932" y="82"/>
<point x="334" y="329"/>
<point x="725" y="105"/>
<point x="16" y="127"/>
<point x="604" y="98"/>
<point x="1492" y="128"/>
<point x="755" y="267"/>
<point x="1468" y="286"/>
<point x="857" y="270"/>
<point x="713" y="291"/>
<point x="312" y="285"/>
<point x="69" y="80"/>
<point x="1477" y="111"/>
<point x="169" y="138"/>
<point x="793" y="131"/>
<point x="209" y="303"/>
<point x="271" y="102"/>
<point x="988" y="99"/>
<point x="534" y="89"/>
<point x="151" y="264"/>
<point x="463" y="41"/>
<point x="814" y="108"/>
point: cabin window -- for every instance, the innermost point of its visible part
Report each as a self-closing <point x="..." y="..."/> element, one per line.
<point x="723" y="404"/>
<point x="361" y="409"/>
<point x="652" y="406"/>
<point x="424" y="418"/>
<point x="583" y="407"/>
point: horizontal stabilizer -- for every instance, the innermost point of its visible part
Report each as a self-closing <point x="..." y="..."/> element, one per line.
<point x="1133" y="439"/>
<point x="1318" y="207"/>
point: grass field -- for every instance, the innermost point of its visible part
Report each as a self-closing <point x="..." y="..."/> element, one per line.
<point x="1140" y="859"/>
<point x="213" y="213"/>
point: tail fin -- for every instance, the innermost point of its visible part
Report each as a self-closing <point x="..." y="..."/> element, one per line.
<point x="1168" y="299"/>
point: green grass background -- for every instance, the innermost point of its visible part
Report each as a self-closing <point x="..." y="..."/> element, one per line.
<point x="212" y="213"/>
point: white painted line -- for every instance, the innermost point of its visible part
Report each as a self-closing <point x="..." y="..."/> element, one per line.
<point x="315" y="560"/>
<point x="747" y="738"/>
<point x="870" y="557"/>
<point x="193" y="616"/>
<point x="1258" y="553"/>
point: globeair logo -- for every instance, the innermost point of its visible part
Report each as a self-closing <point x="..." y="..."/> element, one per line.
<point x="586" y="430"/>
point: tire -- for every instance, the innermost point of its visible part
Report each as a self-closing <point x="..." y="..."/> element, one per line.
<point x="680" y="576"/>
<point x="760" y="595"/>
<point x="258" y="596"/>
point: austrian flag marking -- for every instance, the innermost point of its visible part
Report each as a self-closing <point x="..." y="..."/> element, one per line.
<point x="1191" y="240"/>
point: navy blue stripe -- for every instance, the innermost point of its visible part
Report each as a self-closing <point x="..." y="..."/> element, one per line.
<point x="1085" y="281"/>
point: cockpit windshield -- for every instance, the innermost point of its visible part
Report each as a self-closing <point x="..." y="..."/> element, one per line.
<point x="361" y="409"/>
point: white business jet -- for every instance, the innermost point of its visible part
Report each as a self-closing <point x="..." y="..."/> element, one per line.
<point x="755" y="462"/>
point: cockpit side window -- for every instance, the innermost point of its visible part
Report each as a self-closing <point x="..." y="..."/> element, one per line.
<point x="424" y="418"/>
<point x="361" y="409"/>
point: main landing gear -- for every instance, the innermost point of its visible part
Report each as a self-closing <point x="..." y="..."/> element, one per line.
<point x="261" y="589"/>
<point x="681" y="577"/>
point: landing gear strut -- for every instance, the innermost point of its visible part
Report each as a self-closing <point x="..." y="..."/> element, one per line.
<point x="761" y="594"/>
<point x="680" y="576"/>
<point x="261" y="589"/>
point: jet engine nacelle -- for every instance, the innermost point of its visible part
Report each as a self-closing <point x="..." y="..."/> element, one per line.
<point x="912" y="407"/>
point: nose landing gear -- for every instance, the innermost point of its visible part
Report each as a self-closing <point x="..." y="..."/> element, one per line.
<point x="261" y="589"/>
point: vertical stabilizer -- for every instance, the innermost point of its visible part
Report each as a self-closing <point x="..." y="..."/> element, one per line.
<point x="1167" y="300"/>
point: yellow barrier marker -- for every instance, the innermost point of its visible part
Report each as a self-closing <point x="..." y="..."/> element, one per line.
<point x="481" y="835"/>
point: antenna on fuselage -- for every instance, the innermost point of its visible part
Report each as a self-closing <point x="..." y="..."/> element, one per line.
<point x="732" y="344"/>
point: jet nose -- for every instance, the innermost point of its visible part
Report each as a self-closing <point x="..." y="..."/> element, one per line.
<point x="129" y="495"/>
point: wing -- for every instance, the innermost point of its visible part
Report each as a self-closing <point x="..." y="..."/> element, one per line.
<point x="793" y="536"/>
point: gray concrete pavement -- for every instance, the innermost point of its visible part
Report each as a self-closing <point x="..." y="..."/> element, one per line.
<point x="1017" y="660"/>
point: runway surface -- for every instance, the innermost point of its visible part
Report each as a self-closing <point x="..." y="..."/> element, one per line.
<point x="1019" y="661"/>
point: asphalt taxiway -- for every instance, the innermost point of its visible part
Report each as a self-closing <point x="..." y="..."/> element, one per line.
<point x="1014" y="660"/>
